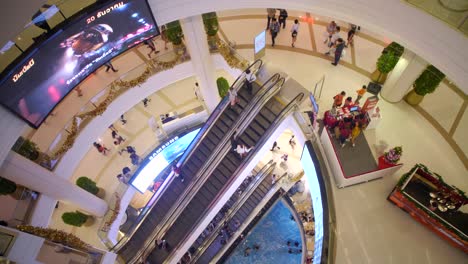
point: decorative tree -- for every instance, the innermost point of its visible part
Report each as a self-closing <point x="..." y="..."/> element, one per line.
<point x="7" y="186"/>
<point x="174" y="32"/>
<point x="426" y="83"/>
<point x="74" y="218"/>
<point x="387" y="61"/>
<point x="88" y="185"/>
<point x="210" y="20"/>
<point x="223" y="86"/>
<point x="26" y="148"/>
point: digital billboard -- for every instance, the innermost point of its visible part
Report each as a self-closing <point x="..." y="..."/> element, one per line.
<point x="160" y="158"/>
<point x="314" y="178"/>
<point x="53" y="69"/>
<point x="260" y="45"/>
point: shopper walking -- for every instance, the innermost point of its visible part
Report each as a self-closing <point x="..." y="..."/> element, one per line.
<point x="294" y="32"/>
<point x="123" y="120"/>
<point x="109" y="66"/>
<point x="333" y="41"/>
<point x="150" y="44"/>
<point x="271" y="14"/>
<point x="101" y="148"/>
<point x="338" y="51"/>
<point x="331" y="28"/>
<point x="274" y="29"/>
<point x="360" y="94"/>
<point x="283" y="15"/>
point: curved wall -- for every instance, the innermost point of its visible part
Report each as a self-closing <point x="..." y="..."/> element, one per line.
<point x="427" y="36"/>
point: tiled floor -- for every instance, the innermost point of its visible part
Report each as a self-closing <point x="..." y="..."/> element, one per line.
<point x="370" y="229"/>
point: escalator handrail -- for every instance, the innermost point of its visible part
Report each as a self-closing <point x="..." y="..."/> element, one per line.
<point x="286" y="110"/>
<point x="215" y="115"/>
<point x="265" y="90"/>
<point x="232" y="211"/>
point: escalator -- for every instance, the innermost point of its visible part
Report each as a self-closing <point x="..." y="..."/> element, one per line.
<point x="174" y="192"/>
<point x="207" y="250"/>
<point x="252" y="133"/>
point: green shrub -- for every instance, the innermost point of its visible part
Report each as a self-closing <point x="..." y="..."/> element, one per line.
<point x="87" y="184"/>
<point x="74" y="218"/>
<point x="26" y="148"/>
<point x="7" y="186"/>
<point x="387" y="61"/>
<point x="174" y="32"/>
<point x="428" y="81"/>
<point x="210" y="20"/>
<point x="396" y="48"/>
<point x="223" y="86"/>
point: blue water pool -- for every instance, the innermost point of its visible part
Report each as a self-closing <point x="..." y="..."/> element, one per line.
<point x="271" y="233"/>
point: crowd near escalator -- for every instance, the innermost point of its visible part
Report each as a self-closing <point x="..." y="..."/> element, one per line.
<point x="252" y="132"/>
<point x="189" y="168"/>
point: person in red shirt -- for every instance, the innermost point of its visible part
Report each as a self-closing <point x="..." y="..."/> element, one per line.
<point x="177" y="174"/>
<point x="348" y="102"/>
<point x="338" y="99"/>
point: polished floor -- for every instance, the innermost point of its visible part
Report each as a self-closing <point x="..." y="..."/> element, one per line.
<point x="369" y="228"/>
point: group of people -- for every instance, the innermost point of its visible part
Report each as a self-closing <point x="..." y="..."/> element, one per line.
<point x="274" y="25"/>
<point x="294" y="247"/>
<point x="347" y="128"/>
<point x="247" y="250"/>
<point x="336" y="43"/>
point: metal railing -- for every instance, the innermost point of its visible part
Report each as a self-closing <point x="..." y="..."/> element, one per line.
<point x="216" y="114"/>
<point x="452" y="12"/>
<point x="98" y="98"/>
<point x="222" y="148"/>
<point x="266" y="170"/>
<point x="282" y="115"/>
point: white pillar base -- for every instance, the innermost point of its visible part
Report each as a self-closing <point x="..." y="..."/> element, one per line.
<point x="402" y="77"/>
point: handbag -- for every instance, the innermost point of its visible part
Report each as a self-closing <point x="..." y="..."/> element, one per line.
<point x="294" y="34"/>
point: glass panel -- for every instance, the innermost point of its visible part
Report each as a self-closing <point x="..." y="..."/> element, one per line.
<point x="453" y="12"/>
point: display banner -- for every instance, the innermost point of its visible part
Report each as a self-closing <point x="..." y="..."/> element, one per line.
<point x="260" y="45"/>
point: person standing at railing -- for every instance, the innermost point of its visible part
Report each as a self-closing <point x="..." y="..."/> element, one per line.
<point x="233" y="97"/>
<point x="176" y="171"/>
<point x="164" y="36"/>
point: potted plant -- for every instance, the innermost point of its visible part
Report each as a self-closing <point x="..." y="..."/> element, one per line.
<point x="90" y="186"/>
<point x="390" y="158"/>
<point x="387" y="62"/>
<point x="77" y="219"/>
<point x="223" y="86"/>
<point x="210" y="20"/>
<point x="174" y="35"/>
<point x="7" y="186"/>
<point x="426" y="83"/>
<point x="26" y="148"/>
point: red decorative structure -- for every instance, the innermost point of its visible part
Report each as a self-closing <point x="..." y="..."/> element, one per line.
<point x="383" y="164"/>
<point x="433" y="203"/>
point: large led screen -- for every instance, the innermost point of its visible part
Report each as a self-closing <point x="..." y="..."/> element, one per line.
<point x="319" y="205"/>
<point x="160" y="158"/>
<point x="52" y="70"/>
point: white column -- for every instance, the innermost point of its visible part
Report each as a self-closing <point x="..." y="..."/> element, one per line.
<point x="196" y="41"/>
<point x="402" y="77"/>
<point x="27" y="173"/>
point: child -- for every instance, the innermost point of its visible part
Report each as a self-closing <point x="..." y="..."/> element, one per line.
<point x="355" y="133"/>
<point x="360" y="94"/>
<point x="344" y="135"/>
